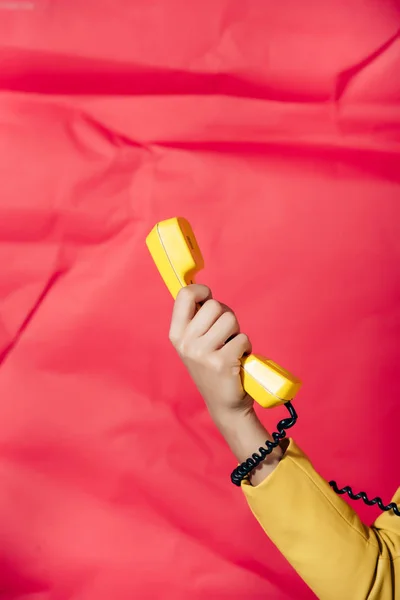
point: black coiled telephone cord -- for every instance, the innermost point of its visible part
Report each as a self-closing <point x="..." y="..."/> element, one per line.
<point x="242" y="471"/>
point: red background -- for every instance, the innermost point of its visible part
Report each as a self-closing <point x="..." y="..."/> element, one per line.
<point x="274" y="127"/>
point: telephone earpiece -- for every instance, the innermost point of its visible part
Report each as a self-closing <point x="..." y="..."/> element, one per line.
<point x="178" y="258"/>
<point x="176" y="253"/>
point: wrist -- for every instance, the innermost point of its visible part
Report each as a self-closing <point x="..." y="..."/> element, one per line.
<point x="245" y="434"/>
<point x="234" y="418"/>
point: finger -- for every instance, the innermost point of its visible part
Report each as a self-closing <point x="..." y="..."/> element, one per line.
<point x="225" y="327"/>
<point x="236" y="348"/>
<point x="185" y="308"/>
<point x="208" y="314"/>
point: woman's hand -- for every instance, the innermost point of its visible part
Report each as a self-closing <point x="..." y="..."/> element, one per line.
<point x="207" y="337"/>
<point x="209" y="342"/>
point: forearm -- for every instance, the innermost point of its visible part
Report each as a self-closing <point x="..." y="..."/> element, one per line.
<point x="245" y="434"/>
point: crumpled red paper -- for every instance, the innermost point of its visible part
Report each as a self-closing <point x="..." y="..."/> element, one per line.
<point x="274" y="127"/>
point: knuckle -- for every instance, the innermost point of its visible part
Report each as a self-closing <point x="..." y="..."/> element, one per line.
<point x="196" y="353"/>
<point x="217" y="364"/>
<point x="245" y="342"/>
<point x="213" y="305"/>
<point x="190" y="351"/>
<point x="204" y="289"/>
<point x="173" y="339"/>
<point x="183" y="348"/>
<point x="185" y="293"/>
<point x="231" y="319"/>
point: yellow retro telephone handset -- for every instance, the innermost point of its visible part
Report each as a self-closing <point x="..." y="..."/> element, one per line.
<point x="177" y="255"/>
<point x="175" y="251"/>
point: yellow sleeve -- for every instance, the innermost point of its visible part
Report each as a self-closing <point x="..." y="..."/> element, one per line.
<point x="322" y="537"/>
